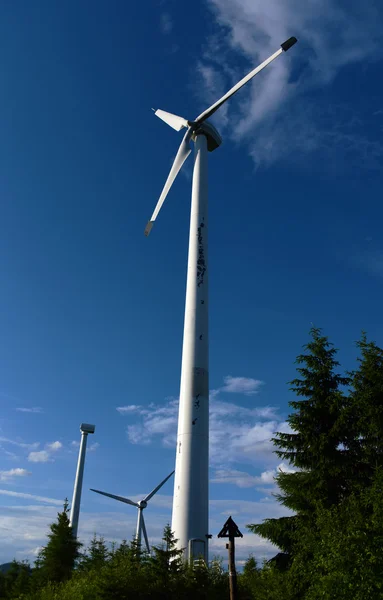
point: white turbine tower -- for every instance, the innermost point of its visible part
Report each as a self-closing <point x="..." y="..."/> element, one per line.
<point x="85" y="429"/>
<point x="141" y="504"/>
<point x="191" y="495"/>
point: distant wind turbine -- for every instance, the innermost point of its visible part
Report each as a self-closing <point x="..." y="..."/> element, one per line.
<point x="191" y="494"/>
<point x="141" y="528"/>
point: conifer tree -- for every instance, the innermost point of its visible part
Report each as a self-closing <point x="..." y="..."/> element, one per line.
<point x="364" y="415"/>
<point x="96" y="555"/>
<point x="56" y="561"/>
<point x="16" y="580"/>
<point x="167" y="560"/>
<point x="313" y="446"/>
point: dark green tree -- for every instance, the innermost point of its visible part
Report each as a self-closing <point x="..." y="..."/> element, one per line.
<point x="347" y="557"/>
<point x="16" y="581"/>
<point x="248" y="579"/>
<point x="167" y="559"/>
<point x="312" y="447"/>
<point x="96" y="555"/>
<point x="364" y="415"/>
<point x="57" y="560"/>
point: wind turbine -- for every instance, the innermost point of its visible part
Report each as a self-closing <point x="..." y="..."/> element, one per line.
<point x="190" y="500"/>
<point x="85" y="429"/>
<point x="141" y="504"/>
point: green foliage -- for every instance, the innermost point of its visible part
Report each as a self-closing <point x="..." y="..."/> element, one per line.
<point x="96" y="555"/>
<point x="312" y="447"/>
<point x="331" y="545"/>
<point x="347" y="559"/>
<point x="364" y="415"/>
<point x="127" y="573"/>
<point x="16" y="582"/>
<point x="57" y="560"/>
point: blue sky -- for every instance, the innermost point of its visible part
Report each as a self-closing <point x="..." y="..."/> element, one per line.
<point x="91" y="312"/>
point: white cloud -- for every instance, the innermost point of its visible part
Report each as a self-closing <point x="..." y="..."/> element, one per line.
<point x="243" y="479"/>
<point x="237" y="433"/>
<point x="19" y="443"/>
<point x="166" y="23"/>
<point x="30" y="497"/>
<point x="34" y="409"/>
<point x="54" y="446"/>
<point x="9" y="475"/>
<point x="241" y="385"/>
<point x="75" y="444"/>
<point x="278" y="114"/>
<point x="41" y="456"/>
<point x="130" y="409"/>
<point x="23" y="529"/>
<point x="45" y="455"/>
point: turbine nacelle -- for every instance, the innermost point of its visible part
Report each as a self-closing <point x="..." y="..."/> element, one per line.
<point x="200" y="126"/>
<point x="142" y="504"/>
<point x="209" y="131"/>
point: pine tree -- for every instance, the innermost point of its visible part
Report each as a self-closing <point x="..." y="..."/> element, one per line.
<point x="313" y="447"/>
<point x="56" y="561"/>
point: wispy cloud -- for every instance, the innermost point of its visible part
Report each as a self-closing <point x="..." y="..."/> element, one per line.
<point x="23" y="526"/>
<point x="30" y="497"/>
<point x="280" y="115"/>
<point x="34" y="409"/>
<point x="166" y="23"/>
<point x="130" y="409"/>
<point x="93" y="447"/>
<point x="243" y="479"/>
<point x="12" y="473"/>
<point x="19" y="443"/>
<point x="237" y="433"/>
<point x="241" y="385"/>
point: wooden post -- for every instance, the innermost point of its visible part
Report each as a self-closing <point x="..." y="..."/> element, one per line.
<point x="230" y="530"/>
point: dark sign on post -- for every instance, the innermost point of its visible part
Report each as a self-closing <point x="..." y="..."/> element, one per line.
<point x="231" y="531"/>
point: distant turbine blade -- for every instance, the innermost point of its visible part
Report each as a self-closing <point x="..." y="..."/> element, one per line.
<point x="173" y="120"/>
<point x="182" y="154"/>
<point x="147" y="498"/>
<point x="210" y="111"/>
<point x="120" y="498"/>
<point x="143" y="527"/>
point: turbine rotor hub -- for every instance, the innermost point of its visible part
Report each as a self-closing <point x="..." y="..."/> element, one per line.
<point x="142" y="504"/>
<point x="209" y="131"/>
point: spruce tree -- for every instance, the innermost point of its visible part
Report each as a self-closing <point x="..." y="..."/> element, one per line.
<point x="56" y="561"/>
<point x="167" y="560"/>
<point x="313" y="447"/>
<point x="364" y="415"/>
<point x="96" y="555"/>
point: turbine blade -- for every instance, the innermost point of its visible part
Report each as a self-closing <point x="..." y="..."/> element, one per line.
<point x="182" y="154"/>
<point x="143" y="527"/>
<point x="147" y="498"/>
<point x="210" y="111"/>
<point x="173" y="120"/>
<point x="120" y="498"/>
